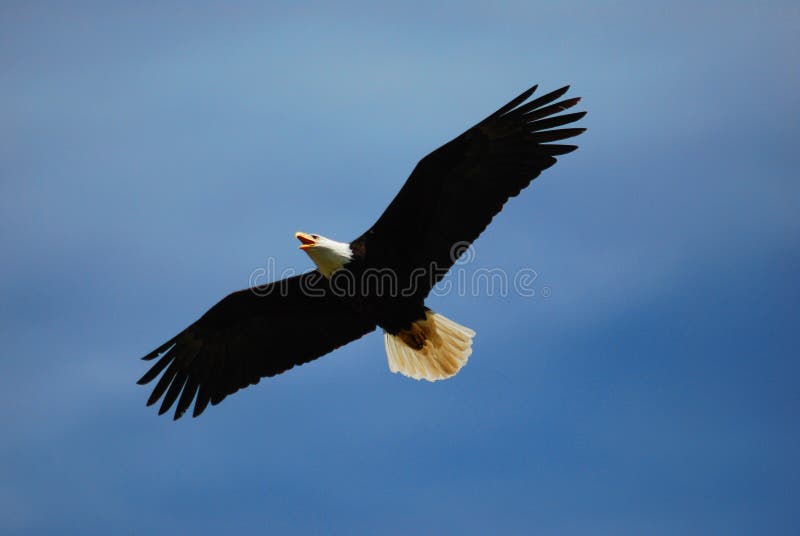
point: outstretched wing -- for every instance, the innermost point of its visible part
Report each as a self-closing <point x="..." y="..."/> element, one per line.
<point x="248" y="335"/>
<point x="455" y="191"/>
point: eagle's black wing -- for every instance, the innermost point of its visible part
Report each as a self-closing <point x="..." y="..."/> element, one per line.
<point x="251" y="334"/>
<point x="455" y="191"/>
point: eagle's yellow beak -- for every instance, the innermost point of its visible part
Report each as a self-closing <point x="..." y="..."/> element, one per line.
<point x="307" y="241"/>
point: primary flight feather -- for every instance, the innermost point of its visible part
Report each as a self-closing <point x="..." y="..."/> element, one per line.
<point x="381" y="278"/>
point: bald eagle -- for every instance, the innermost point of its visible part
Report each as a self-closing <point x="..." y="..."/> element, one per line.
<point x="381" y="278"/>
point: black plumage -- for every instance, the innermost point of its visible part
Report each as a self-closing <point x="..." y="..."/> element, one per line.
<point x="449" y="199"/>
<point x="250" y="335"/>
<point x="455" y="191"/>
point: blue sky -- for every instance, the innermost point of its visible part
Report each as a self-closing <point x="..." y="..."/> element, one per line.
<point x="152" y="157"/>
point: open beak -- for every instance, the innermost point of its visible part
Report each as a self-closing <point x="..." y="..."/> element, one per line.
<point x="307" y="241"/>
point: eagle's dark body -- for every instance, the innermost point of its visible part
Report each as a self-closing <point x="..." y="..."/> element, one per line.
<point x="449" y="199"/>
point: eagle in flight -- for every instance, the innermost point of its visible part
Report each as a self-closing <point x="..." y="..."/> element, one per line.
<point x="381" y="278"/>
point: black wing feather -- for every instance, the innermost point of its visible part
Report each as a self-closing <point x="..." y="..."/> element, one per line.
<point x="455" y="191"/>
<point x="249" y="335"/>
<point x="541" y="101"/>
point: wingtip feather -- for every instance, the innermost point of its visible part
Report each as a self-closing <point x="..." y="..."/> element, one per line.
<point x="156" y="369"/>
<point x="522" y="97"/>
<point x="162" y="384"/>
<point x="160" y="350"/>
<point x="558" y="149"/>
<point x="558" y="134"/>
<point x="172" y="393"/>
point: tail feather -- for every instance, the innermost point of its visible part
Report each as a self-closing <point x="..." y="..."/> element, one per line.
<point x="433" y="349"/>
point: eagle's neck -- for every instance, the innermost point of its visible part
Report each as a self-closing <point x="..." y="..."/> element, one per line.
<point x="330" y="255"/>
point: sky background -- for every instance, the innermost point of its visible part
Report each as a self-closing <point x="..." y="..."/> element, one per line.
<point x="152" y="157"/>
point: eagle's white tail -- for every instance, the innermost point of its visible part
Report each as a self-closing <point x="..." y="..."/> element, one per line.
<point x="433" y="349"/>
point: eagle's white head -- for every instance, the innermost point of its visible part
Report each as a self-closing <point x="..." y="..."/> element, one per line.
<point x="329" y="255"/>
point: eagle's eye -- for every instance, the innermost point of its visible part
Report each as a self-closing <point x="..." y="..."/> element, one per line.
<point x="315" y="237"/>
